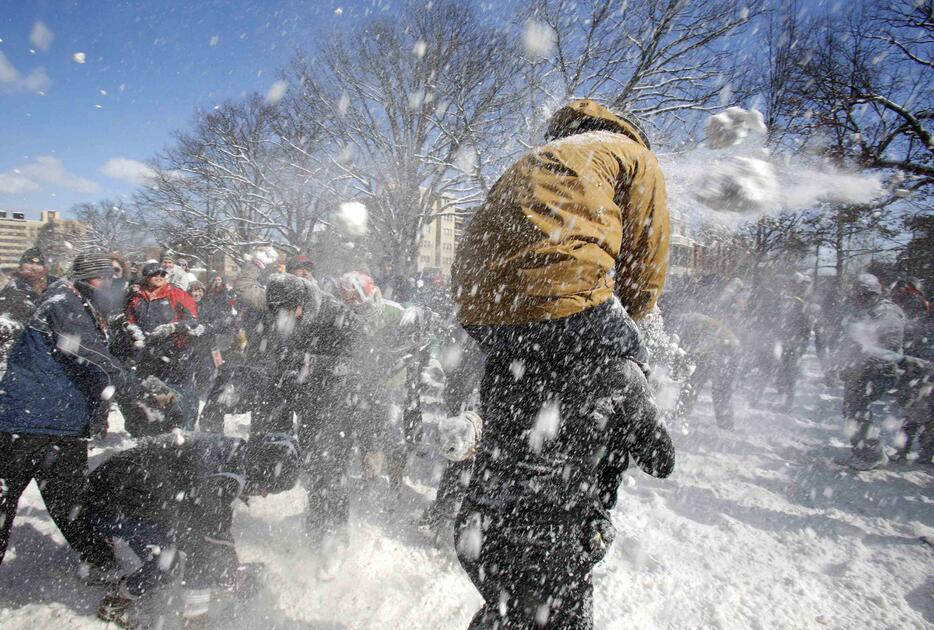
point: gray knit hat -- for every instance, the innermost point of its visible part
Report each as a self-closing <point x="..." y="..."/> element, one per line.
<point x="91" y="264"/>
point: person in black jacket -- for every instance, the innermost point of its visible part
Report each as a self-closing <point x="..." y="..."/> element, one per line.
<point x="20" y="297"/>
<point x="175" y="493"/>
<point x="28" y="283"/>
<point x="311" y="335"/>
<point x="59" y="381"/>
<point x="565" y="407"/>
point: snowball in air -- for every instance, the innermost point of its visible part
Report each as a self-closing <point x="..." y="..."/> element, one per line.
<point x="739" y="184"/>
<point x="276" y="92"/>
<point x="350" y="218"/>
<point x="731" y="126"/>
<point x="538" y="39"/>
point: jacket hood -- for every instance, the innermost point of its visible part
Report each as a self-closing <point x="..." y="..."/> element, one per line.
<point x="583" y="115"/>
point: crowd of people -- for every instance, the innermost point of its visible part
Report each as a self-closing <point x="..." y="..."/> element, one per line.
<point x="541" y="368"/>
<point x="876" y="341"/>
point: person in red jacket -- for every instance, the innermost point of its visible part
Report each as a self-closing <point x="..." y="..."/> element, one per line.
<point x="168" y="317"/>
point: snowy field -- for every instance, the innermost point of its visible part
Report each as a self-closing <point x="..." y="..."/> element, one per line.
<point x="757" y="528"/>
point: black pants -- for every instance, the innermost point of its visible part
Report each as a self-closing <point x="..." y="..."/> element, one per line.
<point x="58" y="464"/>
<point x="322" y="411"/>
<point x="720" y="368"/>
<point x="237" y="388"/>
<point x="863" y="384"/>
<point x="534" y="522"/>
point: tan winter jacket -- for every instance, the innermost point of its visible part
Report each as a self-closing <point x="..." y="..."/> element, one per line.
<point x="566" y="226"/>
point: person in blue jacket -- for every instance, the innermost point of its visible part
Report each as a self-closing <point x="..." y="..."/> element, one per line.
<point x="59" y="380"/>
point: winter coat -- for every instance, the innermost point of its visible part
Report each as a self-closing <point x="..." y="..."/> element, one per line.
<point x="151" y="309"/>
<point x="18" y="300"/>
<point x="564" y="228"/>
<point x="704" y="337"/>
<point x="60" y="366"/>
<point x="184" y="482"/>
<point x="322" y="339"/>
<point x="874" y="336"/>
<point x="217" y="310"/>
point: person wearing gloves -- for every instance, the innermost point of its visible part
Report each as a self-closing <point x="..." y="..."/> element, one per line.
<point x="167" y="316"/>
<point x="569" y="248"/>
<point x="60" y="379"/>
<point x="174" y="494"/>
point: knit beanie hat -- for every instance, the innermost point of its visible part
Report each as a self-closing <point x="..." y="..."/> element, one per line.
<point x="88" y="265"/>
<point x="285" y="291"/>
<point x="32" y="255"/>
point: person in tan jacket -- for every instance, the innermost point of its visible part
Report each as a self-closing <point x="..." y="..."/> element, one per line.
<point x="567" y="226"/>
<point x="568" y="251"/>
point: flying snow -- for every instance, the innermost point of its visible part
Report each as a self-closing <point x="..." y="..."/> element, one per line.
<point x="538" y="39"/>
<point x="276" y="92"/>
<point x="41" y="36"/>
<point x="731" y="126"/>
<point x="739" y="184"/>
<point x="350" y="218"/>
<point x="546" y="426"/>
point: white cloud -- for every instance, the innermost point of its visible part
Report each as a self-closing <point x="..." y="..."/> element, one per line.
<point x="50" y="170"/>
<point x="276" y="92"/>
<point x="127" y="170"/>
<point x="12" y="80"/>
<point x="41" y="36"/>
<point x="13" y="183"/>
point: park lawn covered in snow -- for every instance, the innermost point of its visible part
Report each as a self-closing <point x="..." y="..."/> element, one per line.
<point x="757" y="528"/>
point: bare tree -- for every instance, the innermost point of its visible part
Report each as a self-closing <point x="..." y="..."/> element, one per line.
<point x="869" y="98"/>
<point x="111" y="225"/>
<point x="411" y="109"/>
<point x="232" y="184"/>
<point x="657" y="58"/>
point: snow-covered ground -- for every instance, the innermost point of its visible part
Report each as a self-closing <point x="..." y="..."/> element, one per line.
<point x="757" y="528"/>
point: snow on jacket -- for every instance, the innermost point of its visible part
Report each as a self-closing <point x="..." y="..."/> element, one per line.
<point x="60" y="367"/>
<point x="567" y="225"/>
<point x="185" y="482"/>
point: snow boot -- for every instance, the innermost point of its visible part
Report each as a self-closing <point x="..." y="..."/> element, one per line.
<point x="333" y="553"/>
<point x="246" y="582"/>
<point x="119" y="610"/>
<point x="100" y="575"/>
<point x="867" y="458"/>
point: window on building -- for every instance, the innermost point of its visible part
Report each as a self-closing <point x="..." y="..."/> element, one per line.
<point x="19" y="216"/>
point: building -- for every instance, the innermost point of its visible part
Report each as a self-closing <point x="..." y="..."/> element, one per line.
<point x="439" y="240"/>
<point x="17" y="234"/>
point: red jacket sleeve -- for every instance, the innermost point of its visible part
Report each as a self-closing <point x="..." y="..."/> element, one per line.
<point x="131" y="309"/>
<point x="185" y="307"/>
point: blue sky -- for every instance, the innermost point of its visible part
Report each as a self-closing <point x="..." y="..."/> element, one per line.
<point x="147" y="67"/>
